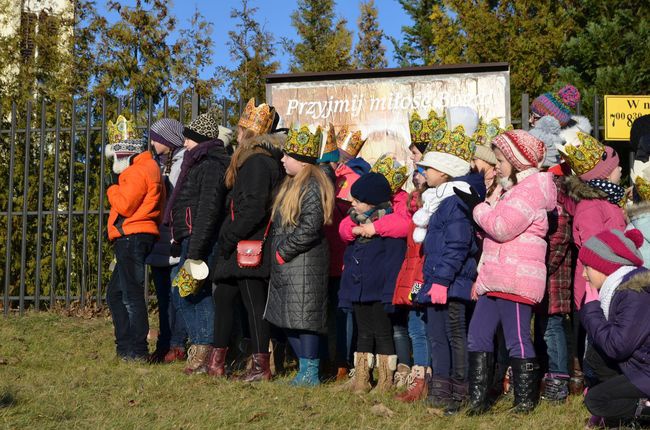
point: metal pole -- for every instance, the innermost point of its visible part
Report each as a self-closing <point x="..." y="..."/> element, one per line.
<point x="84" y="252"/>
<point x="596" y="117"/>
<point x="23" y="241"/>
<point x="100" y="221"/>
<point x="70" y="206"/>
<point x="195" y="105"/>
<point x="10" y="208"/>
<point x="39" y="228"/>
<point x="55" y="204"/>
<point x="525" y="113"/>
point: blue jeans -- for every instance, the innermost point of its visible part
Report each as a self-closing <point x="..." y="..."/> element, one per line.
<point x="399" y="319"/>
<point x="417" y="326"/>
<point x="125" y="295"/>
<point x="341" y="327"/>
<point x="197" y="309"/>
<point x="172" y="327"/>
<point x="556" y="345"/>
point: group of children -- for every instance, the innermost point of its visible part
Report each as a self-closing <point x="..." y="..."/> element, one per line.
<point x="437" y="289"/>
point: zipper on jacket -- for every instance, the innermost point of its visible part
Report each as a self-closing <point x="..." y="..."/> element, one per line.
<point x="188" y="218"/>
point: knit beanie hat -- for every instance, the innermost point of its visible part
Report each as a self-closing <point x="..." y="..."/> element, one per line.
<point x="168" y="132"/>
<point x="547" y="129"/>
<point x="446" y="163"/>
<point x="610" y="250"/>
<point x="521" y="149"/>
<point x="205" y="127"/>
<point x="371" y="188"/>
<point x="605" y="166"/>
<point x="559" y="105"/>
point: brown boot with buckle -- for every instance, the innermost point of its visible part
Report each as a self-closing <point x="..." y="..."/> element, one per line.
<point x="197" y="358"/>
<point x="217" y="362"/>
<point x="260" y="370"/>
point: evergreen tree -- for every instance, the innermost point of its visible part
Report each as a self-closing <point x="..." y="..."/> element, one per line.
<point x="252" y="50"/>
<point x="369" y="52"/>
<point x="418" y="46"/>
<point x="324" y="45"/>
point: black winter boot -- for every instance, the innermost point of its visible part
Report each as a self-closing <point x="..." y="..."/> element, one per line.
<point x="481" y="373"/>
<point x="459" y="393"/>
<point x="525" y="374"/>
<point x="439" y="392"/>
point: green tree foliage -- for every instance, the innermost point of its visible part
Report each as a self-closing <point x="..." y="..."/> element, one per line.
<point x="369" y="52"/>
<point x="252" y="50"/>
<point x="417" y="47"/>
<point x="324" y="45"/>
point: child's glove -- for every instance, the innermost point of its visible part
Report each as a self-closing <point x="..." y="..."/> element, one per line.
<point x="591" y="294"/>
<point x="175" y="249"/>
<point x="438" y="294"/>
<point x="470" y="199"/>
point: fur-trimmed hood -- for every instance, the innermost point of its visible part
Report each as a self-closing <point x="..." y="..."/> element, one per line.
<point x="579" y="190"/>
<point x="639" y="282"/>
<point x="269" y="144"/>
<point x="638" y="210"/>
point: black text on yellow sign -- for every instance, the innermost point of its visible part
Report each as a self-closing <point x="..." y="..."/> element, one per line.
<point x="620" y="113"/>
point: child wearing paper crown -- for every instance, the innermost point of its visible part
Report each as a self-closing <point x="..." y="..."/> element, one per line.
<point x="639" y="212"/>
<point x="444" y="226"/>
<point x="616" y="318"/>
<point x="512" y="277"/>
<point x="136" y="197"/>
<point x="297" y="300"/>
<point x="365" y="288"/>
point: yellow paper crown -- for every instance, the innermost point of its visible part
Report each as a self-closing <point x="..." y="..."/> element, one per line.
<point x="120" y="131"/>
<point x="330" y="143"/>
<point x="640" y="174"/>
<point x="258" y="119"/>
<point x="422" y="130"/>
<point x="349" y="141"/>
<point x="583" y="157"/>
<point x="304" y="142"/>
<point x="453" y="142"/>
<point x="392" y="170"/>
<point x="486" y="131"/>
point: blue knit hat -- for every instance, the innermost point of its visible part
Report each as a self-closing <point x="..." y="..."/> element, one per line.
<point x="371" y="188"/>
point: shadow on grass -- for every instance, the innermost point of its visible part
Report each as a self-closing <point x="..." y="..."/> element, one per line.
<point x="7" y="397"/>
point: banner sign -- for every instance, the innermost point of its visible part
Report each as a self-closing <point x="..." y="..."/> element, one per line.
<point x="380" y="102"/>
<point x="620" y="113"/>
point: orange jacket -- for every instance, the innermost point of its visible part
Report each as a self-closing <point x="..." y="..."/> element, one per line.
<point x="136" y="202"/>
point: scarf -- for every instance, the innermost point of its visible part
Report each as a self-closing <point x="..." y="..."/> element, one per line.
<point x="371" y="216"/>
<point x="610" y="285"/>
<point x="190" y="158"/>
<point x="615" y="193"/>
<point x="431" y="199"/>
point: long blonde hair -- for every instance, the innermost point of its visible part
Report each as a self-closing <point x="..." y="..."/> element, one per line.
<point x="288" y="202"/>
<point x="242" y="147"/>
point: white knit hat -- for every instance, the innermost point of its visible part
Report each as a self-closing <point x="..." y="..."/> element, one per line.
<point x="445" y="163"/>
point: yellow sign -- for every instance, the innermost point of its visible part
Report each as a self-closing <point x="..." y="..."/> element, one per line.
<point x="620" y="113"/>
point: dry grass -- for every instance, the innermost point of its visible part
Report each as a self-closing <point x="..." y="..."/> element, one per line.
<point x="58" y="371"/>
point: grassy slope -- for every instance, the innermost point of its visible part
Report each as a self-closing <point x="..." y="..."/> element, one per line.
<point x="60" y="372"/>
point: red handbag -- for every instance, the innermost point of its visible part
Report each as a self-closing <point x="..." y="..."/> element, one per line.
<point x="249" y="252"/>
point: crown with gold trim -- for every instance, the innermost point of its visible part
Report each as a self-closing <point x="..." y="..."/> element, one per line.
<point x="330" y="143"/>
<point x="257" y="118"/>
<point x="640" y="175"/>
<point x="422" y="130"/>
<point x="584" y="156"/>
<point x="392" y="170"/>
<point x="486" y="131"/>
<point x="453" y="142"/>
<point x="304" y="142"/>
<point x="349" y="141"/>
<point x="121" y="130"/>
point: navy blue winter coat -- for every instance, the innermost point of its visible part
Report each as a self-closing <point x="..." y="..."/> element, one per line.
<point x="450" y="251"/>
<point x="370" y="270"/>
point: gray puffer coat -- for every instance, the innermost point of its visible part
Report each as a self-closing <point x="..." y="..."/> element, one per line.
<point x="298" y="288"/>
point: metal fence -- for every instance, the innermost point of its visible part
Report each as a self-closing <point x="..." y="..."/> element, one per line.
<point x="53" y="210"/>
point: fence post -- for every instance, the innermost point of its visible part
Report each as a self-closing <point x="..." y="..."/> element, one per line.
<point x="100" y="222"/>
<point x="55" y="203"/>
<point x="10" y="207"/>
<point x="524" y="111"/>
<point x="596" y="117"/>
<point x="23" y="241"/>
<point x="195" y="105"/>
<point x="39" y="228"/>
<point x="68" y="265"/>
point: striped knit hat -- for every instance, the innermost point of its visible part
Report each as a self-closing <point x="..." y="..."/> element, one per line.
<point x="559" y="105"/>
<point x="169" y="132"/>
<point x="521" y="149"/>
<point x="610" y="250"/>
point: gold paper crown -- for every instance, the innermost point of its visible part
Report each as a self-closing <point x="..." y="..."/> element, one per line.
<point x="258" y="119"/>
<point x="583" y="157"/>
<point x="640" y="174"/>
<point x="423" y="130"/>
<point x="349" y="141"/>
<point x="303" y="142"/>
<point x="486" y="131"/>
<point x="330" y="144"/>
<point x="453" y="142"/>
<point x="120" y="131"/>
<point x="392" y="170"/>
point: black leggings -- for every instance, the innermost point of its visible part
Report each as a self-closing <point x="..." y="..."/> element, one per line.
<point x="374" y="329"/>
<point x="615" y="400"/>
<point x="253" y="294"/>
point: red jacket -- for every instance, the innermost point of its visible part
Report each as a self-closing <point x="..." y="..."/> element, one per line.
<point x="410" y="272"/>
<point x="136" y="201"/>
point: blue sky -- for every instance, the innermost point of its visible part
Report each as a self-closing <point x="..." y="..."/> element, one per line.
<point x="275" y="15"/>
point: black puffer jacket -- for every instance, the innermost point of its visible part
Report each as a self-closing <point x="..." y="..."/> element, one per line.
<point x="298" y="288"/>
<point x="199" y="207"/>
<point x="248" y="209"/>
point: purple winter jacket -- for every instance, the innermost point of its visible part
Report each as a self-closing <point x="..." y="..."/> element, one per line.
<point x="625" y="337"/>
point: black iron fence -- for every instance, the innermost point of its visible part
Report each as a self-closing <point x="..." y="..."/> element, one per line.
<point x="52" y="201"/>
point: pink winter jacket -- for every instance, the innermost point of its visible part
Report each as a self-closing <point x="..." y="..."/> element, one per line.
<point x="395" y="224"/>
<point x="514" y="248"/>
<point x="592" y="214"/>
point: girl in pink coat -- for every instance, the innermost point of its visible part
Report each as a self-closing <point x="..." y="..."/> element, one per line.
<point x="512" y="277"/>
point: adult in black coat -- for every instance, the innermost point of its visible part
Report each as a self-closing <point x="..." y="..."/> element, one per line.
<point x="254" y="175"/>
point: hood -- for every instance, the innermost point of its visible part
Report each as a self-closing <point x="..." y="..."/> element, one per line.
<point x="267" y="144"/>
<point x="579" y="190"/>
<point x="639" y="282"/>
<point x="569" y="134"/>
<point x="638" y="211"/>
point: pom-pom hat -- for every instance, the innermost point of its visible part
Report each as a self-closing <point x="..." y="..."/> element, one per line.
<point x="521" y="149"/>
<point x="559" y="105"/>
<point x="610" y="250"/>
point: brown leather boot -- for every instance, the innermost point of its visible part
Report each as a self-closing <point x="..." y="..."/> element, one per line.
<point x="401" y="378"/>
<point x="197" y="358"/>
<point x="363" y="363"/>
<point x="175" y="353"/>
<point x="260" y="370"/>
<point x="417" y="389"/>
<point x="217" y="362"/>
<point x="342" y="374"/>
<point x="386" y="365"/>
